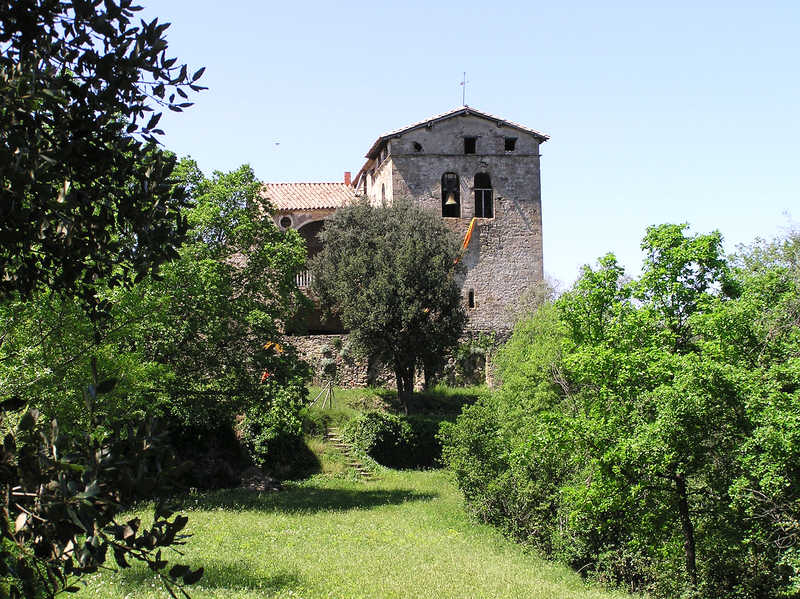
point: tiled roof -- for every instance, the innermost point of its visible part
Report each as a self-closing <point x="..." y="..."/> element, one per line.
<point x="307" y="196"/>
<point x="456" y="112"/>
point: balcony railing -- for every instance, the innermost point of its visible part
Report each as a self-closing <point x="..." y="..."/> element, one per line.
<point x="303" y="279"/>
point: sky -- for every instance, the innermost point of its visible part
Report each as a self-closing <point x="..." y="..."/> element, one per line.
<point x="657" y="112"/>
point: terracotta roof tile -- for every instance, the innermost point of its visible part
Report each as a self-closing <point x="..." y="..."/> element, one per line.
<point x="307" y="196"/>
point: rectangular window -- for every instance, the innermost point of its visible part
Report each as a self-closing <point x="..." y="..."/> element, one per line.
<point x="469" y="145"/>
<point x="484" y="200"/>
<point x="511" y="144"/>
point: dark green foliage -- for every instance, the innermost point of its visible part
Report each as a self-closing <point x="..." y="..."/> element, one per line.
<point x="88" y="205"/>
<point x="86" y="195"/>
<point x="389" y="273"/>
<point x="272" y="430"/>
<point x="383" y="437"/>
<point x="190" y="347"/>
<point x="425" y="450"/>
<point x="646" y="430"/>
<point x="395" y="441"/>
<point x="61" y="500"/>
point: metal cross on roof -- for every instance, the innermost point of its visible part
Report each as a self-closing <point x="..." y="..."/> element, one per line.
<point x="464" y="89"/>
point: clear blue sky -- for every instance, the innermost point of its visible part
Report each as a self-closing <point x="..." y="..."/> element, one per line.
<point x="657" y="112"/>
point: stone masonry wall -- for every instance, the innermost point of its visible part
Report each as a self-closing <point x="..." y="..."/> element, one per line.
<point x="504" y="257"/>
<point x="352" y="372"/>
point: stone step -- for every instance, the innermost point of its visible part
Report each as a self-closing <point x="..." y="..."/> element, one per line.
<point x="333" y="437"/>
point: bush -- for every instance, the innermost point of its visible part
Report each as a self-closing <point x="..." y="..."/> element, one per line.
<point x="396" y="441"/>
<point x="63" y="498"/>
<point x="426" y="447"/>
<point x="647" y="430"/>
<point x="272" y="432"/>
<point x="386" y="438"/>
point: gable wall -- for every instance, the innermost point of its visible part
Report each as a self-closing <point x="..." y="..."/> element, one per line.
<point x="446" y="137"/>
<point x="505" y="255"/>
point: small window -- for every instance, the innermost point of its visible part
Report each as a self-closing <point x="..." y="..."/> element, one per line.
<point x="286" y="222"/>
<point x="471" y="298"/>
<point x="484" y="201"/>
<point x="451" y="195"/>
<point x="469" y="145"/>
<point x="383" y="193"/>
<point x="511" y="144"/>
<point x="417" y="147"/>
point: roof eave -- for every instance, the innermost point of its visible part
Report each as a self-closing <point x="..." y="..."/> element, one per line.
<point x="465" y="110"/>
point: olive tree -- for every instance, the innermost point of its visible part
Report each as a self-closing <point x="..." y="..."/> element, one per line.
<point x="391" y="274"/>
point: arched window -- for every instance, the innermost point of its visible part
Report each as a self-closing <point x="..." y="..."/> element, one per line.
<point x="484" y="202"/>
<point x="451" y="195"/>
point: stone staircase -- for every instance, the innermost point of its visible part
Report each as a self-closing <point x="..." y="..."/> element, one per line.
<point x="332" y="436"/>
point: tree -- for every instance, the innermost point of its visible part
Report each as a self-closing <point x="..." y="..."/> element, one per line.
<point x="390" y="273"/>
<point x="87" y="203"/>
<point x="225" y="298"/>
<point x="85" y="192"/>
<point x="191" y="346"/>
<point x="646" y="430"/>
<point x="217" y="317"/>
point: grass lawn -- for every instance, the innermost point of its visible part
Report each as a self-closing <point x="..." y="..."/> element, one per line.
<point x="405" y="535"/>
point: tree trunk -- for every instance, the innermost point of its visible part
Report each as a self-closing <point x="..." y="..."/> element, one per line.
<point x="405" y="385"/>
<point x="429" y="372"/>
<point x="688" y="528"/>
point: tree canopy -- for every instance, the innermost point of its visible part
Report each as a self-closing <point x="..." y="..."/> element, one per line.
<point x="391" y="274"/>
<point x="85" y="192"/>
<point x="646" y="429"/>
<point x="87" y="204"/>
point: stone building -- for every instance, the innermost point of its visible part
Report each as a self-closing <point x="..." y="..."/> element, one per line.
<point x="462" y="164"/>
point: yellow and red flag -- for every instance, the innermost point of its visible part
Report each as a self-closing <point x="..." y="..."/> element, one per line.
<point x="467" y="238"/>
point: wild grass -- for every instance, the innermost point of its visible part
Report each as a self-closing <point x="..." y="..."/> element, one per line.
<point x="403" y="536"/>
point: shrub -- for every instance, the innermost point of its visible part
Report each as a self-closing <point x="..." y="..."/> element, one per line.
<point x="386" y="438"/>
<point x="646" y="430"/>
<point x="425" y="450"/>
<point x="272" y="431"/>
<point x="396" y="441"/>
<point x="62" y="501"/>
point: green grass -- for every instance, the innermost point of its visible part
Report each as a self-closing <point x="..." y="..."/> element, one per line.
<point x="403" y="536"/>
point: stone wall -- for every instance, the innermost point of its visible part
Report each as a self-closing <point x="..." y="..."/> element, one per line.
<point x="351" y="372"/>
<point x="504" y="258"/>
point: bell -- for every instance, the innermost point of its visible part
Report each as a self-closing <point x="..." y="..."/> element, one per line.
<point x="451" y="200"/>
